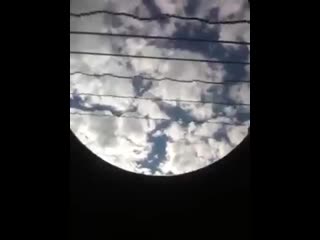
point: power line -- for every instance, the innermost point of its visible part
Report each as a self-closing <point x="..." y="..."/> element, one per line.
<point x="156" y="79"/>
<point x="148" y="118"/>
<point x="160" y="99"/>
<point x="160" y="58"/>
<point x="159" y="37"/>
<point x="159" y="17"/>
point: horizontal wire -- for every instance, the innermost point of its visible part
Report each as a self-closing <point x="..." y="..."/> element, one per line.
<point x="100" y="75"/>
<point x="159" y="37"/>
<point x="159" y="99"/>
<point x="160" y="58"/>
<point x="148" y="118"/>
<point x="159" y="17"/>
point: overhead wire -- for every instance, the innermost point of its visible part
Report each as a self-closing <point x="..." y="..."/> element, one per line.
<point x="158" y="37"/>
<point x="150" y="118"/>
<point x="161" y="16"/>
<point x="160" y="58"/>
<point x="101" y="75"/>
<point x="157" y="99"/>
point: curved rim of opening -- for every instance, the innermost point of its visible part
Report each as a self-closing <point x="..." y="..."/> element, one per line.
<point x="233" y="153"/>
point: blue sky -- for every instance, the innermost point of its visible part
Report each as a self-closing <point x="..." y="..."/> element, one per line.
<point x="185" y="141"/>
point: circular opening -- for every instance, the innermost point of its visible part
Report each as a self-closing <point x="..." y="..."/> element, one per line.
<point x="160" y="87"/>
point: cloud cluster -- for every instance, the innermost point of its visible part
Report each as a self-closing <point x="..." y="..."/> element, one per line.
<point x="194" y="134"/>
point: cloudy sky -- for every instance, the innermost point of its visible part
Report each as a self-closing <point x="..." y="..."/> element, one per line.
<point x="150" y="136"/>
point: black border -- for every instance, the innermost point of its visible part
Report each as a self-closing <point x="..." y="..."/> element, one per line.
<point x="40" y="177"/>
<point x="104" y="198"/>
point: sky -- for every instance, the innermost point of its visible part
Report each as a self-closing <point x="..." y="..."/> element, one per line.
<point x="160" y="137"/>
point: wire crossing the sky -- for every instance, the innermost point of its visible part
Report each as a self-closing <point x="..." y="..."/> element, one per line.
<point x="161" y="58"/>
<point x="156" y="79"/>
<point x="159" y="37"/>
<point x="162" y="16"/>
<point x="158" y="99"/>
<point x="153" y="119"/>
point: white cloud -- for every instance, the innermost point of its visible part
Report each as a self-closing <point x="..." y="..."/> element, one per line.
<point x="125" y="142"/>
<point x="175" y="132"/>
